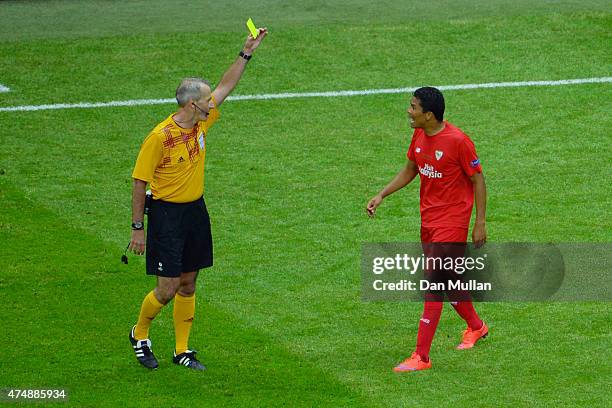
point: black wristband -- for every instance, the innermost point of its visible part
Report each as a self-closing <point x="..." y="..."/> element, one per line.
<point x="245" y="56"/>
<point x="137" y="226"/>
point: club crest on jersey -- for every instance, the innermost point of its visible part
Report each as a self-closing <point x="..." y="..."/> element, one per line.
<point x="439" y="154"/>
<point x="475" y="163"/>
<point x="418" y="150"/>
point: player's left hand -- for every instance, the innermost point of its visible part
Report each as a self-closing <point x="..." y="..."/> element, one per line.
<point x="479" y="234"/>
<point x="252" y="43"/>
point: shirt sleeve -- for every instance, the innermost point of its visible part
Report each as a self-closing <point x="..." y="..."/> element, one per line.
<point x="410" y="153"/>
<point x="468" y="158"/>
<point x="149" y="158"/>
<point x="213" y="115"/>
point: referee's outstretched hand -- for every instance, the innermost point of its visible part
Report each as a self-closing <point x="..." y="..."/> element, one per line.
<point x="251" y="43"/>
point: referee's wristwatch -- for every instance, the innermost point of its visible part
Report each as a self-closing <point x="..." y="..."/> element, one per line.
<point x="137" y="226"/>
<point x="245" y="56"/>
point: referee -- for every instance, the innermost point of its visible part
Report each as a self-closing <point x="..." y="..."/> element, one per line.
<point x="178" y="239"/>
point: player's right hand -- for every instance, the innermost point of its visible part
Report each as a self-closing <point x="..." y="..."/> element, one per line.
<point x="137" y="243"/>
<point x="373" y="204"/>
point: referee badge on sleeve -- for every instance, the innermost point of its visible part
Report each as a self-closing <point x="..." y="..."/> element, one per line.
<point x="201" y="140"/>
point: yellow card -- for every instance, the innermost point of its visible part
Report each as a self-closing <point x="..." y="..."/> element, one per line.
<point x="251" y="26"/>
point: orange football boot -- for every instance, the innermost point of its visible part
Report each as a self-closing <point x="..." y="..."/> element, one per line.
<point x="470" y="337"/>
<point x="414" y="363"/>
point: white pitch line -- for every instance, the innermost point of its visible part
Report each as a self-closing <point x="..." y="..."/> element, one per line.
<point x="3" y="88"/>
<point x="140" y="102"/>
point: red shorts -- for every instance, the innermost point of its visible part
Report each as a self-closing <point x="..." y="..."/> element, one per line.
<point x="443" y="242"/>
<point x="443" y="234"/>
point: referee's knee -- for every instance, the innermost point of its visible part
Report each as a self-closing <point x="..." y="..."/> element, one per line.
<point x="165" y="293"/>
<point x="187" y="289"/>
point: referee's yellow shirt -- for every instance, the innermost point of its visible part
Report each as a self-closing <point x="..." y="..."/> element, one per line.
<point x="171" y="159"/>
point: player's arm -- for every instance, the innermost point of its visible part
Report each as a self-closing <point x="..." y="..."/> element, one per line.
<point x="137" y="243"/>
<point x="479" y="232"/>
<point x="401" y="180"/>
<point x="234" y="73"/>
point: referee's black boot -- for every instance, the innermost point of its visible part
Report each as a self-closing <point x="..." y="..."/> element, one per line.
<point x="189" y="360"/>
<point x="142" y="349"/>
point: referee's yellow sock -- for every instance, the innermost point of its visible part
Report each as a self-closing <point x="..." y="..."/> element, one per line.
<point x="184" y="309"/>
<point x="149" y="309"/>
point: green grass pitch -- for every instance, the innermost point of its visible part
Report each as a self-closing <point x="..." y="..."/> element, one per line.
<point x="279" y="319"/>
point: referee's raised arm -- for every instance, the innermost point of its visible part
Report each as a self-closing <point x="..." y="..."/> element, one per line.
<point x="232" y="76"/>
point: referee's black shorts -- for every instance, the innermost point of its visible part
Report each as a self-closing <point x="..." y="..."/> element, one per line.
<point x="178" y="238"/>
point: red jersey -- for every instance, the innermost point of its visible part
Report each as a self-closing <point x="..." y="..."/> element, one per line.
<point x="446" y="161"/>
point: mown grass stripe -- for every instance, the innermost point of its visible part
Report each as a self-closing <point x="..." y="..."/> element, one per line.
<point x="247" y="366"/>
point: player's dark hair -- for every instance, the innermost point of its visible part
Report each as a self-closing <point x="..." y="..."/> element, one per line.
<point x="431" y="101"/>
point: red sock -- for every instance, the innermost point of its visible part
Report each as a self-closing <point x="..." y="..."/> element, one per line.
<point x="427" y="328"/>
<point x="465" y="309"/>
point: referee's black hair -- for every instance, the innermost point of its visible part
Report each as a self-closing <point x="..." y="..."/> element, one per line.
<point x="431" y="101"/>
